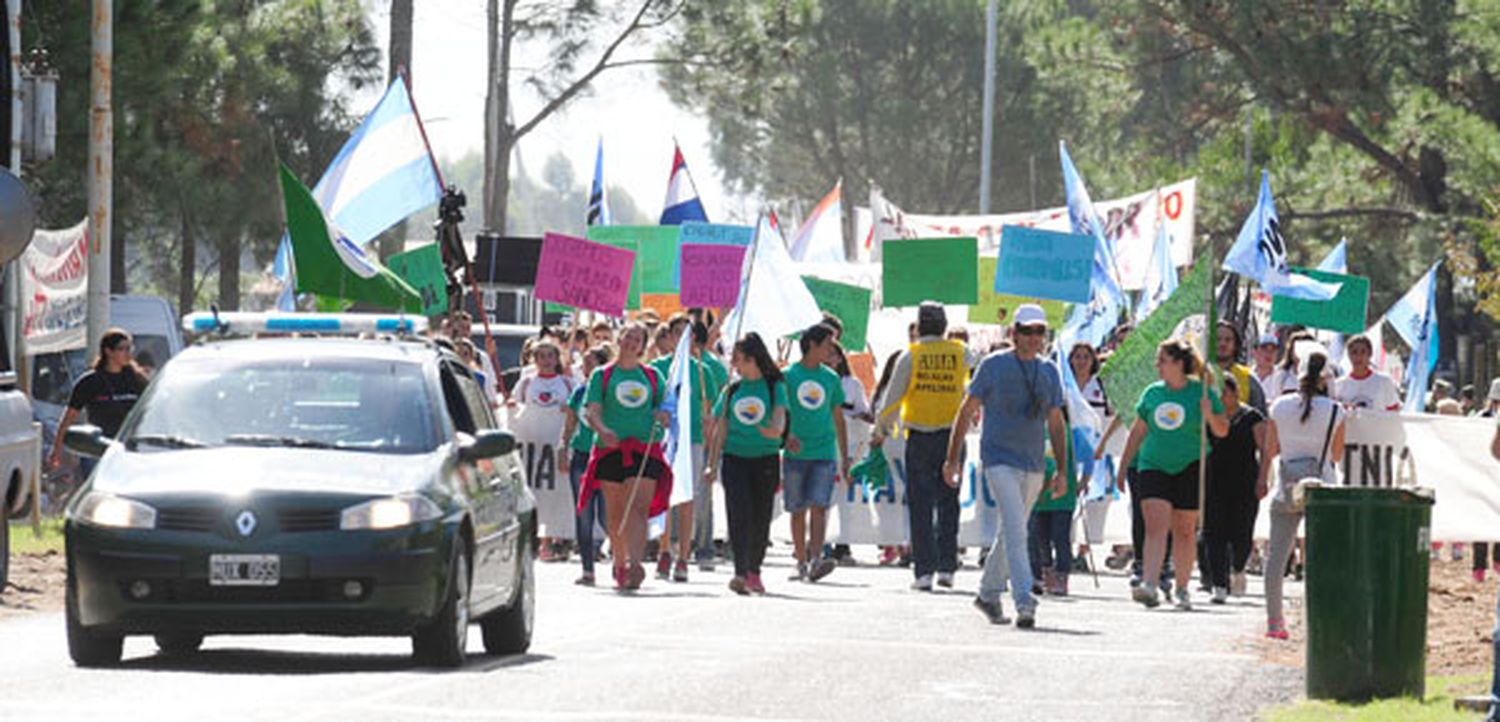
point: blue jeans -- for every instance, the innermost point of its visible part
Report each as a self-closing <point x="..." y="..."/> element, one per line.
<point x="1014" y="490"/>
<point x="807" y="483"/>
<point x="703" y="510"/>
<point x="1051" y="542"/>
<point x="583" y="529"/>
<point x="932" y="550"/>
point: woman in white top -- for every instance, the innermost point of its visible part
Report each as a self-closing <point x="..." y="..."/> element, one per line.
<point x="1306" y="430"/>
<point x="543" y="394"/>
<point x="1286" y="379"/>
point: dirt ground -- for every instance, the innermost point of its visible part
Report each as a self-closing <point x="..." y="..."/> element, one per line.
<point x="36" y="584"/>
<point x="1460" y="623"/>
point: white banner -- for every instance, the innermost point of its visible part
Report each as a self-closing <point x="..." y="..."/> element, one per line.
<point x="537" y="430"/>
<point x="1131" y="222"/>
<point x="54" y="289"/>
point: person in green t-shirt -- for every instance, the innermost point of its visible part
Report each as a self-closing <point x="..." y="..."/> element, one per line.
<point x="573" y="458"/>
<point x="623" y="407"/>
<point x="1164" y="446"/>
<point x="816" y="450"/>
<point x="746" y="437"/>
<point x="680" y="517"/>
<point x="1050" y="533"/>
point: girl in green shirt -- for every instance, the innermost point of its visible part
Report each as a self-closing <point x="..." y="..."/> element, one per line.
<point x="746" y="433"/>
<point x="1164" y="448"/>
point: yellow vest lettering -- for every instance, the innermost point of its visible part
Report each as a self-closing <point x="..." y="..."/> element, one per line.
<point x="938" y="378"/>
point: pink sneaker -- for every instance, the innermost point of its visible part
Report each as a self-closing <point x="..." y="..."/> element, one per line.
<point x="752" y="581"/>
<point x="1276" y="629"/>
<point x="1479" y="575"/>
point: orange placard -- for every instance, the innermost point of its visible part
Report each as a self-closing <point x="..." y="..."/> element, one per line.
<point x="863" y="366"/>
<point x="664" y="304"/>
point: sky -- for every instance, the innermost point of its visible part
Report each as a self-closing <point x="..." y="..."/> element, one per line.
<point x="626" y="107"/>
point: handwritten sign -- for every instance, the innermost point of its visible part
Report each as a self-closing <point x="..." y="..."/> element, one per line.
<point x="717" y="234"/>
<point x="422" y="269"/>
<point x="945" y="270"/>
<point x="584" y="274"/>
<point x="850" y="304"/>
<point x="711" y="274"/>
<point x="1045" y="264"/>
<point x="997" y="308"/>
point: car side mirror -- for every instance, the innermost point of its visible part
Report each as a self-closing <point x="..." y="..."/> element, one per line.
<point x="487" y="444"/>
<point x="86" y="440"/>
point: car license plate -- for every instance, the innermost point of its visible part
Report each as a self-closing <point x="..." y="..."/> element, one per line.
<point x="244" y="570"/>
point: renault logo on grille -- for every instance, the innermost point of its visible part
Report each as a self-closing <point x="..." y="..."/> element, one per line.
<point x="245" y="523"/>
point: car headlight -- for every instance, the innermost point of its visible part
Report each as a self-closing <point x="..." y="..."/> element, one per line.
<point x="116" y="512"/>
<point x="389" y="513"/>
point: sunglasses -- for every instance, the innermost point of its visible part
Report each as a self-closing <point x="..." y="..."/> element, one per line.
<point x="1031" y="331"/>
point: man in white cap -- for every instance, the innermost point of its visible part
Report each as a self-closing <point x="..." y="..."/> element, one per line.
<point x="1265" y="352"/>
<point x="1021" y="394"/>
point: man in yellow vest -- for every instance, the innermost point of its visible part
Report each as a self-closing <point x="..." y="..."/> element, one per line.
<point x="927" y="387"/>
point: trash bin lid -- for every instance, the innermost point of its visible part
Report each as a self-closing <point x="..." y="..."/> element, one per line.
<point x="1369" y="495"/>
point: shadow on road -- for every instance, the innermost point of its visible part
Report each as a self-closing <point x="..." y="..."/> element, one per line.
<point x="255" y="661"/>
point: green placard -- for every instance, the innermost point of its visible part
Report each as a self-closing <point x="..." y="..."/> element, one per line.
<point x="945" y="270"/>
<point x="991" y="304"/>
<point x="1344" y="313"/>
<point x="1132" y="367"/>
<point x="422" y="268"/>
<point x="655" y="256"/>
<point x="851" y="304"/>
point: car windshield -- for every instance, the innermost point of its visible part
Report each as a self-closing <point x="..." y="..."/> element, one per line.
<point x="357" y="405"/>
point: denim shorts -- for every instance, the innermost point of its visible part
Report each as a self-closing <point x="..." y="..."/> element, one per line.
<point x="806" y="483"/>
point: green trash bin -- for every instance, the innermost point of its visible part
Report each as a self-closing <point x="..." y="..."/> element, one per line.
<point x="1366" y="592"/>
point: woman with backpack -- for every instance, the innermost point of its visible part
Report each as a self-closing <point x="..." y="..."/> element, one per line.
<point x="1306" y="430"/>
<point x="745" y="438"/>
<point x="624" y="410"/>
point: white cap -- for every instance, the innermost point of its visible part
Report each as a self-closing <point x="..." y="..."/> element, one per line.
<point x="1268" y="339"/>
<point x="1030" y="314"/>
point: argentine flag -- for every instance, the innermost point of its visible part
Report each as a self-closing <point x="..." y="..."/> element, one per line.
<point x="1415" y="318"/>
<point x="1259" y="253"/>
<point x="682" y="202"/>
<point x="1093" y="321"/>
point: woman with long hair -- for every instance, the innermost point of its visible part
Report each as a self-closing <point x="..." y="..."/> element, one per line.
<point x="1306" y="431"/>
<point x="1286" y="379"/>
<point x="573" y="458"/>
<point x="107" y="392"/>
<point x="745" y="438"/>
<point x="624" y="410"/>
<point x="1164" y="447"/>
<point x="542" y="394"/>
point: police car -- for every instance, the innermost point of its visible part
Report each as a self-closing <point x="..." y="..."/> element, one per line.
<point x="312" y="483"/>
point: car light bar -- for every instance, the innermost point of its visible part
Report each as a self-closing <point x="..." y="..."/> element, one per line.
<point x="337" y="324"/>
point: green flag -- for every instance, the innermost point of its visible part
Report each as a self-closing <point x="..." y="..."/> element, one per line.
<point x="1132" y="367"/>
<point x="331" y="265"/>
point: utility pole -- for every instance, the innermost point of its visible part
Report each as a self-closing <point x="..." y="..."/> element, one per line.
<point x="15" y="337"/>
<point x="986" y="149"/>
<point x="394" y="240"/>
<point x="101" y="168"/>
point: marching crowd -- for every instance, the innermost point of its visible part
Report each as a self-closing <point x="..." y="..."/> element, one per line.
<point x="767" y="419"/>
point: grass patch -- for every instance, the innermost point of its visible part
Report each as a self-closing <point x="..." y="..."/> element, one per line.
<point x="1438" y="707"/>
<point x="24" y="541"/>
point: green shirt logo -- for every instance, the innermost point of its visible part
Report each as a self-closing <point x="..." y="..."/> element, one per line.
<point x="632" y="394"/>
<point x="810" y="394"/>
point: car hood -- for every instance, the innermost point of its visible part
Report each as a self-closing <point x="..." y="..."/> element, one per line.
<point x="242" y="470"/>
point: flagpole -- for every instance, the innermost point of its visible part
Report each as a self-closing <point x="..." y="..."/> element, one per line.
<point x="421" y="128"/>
<point x="1208" y="344"/>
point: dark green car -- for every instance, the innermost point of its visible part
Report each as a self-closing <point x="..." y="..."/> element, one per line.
<point x="303" y="485"/>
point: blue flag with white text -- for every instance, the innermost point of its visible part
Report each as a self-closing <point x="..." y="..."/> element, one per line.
<point x="1096" y="319"/>
<point x="1414" y="316"/>
<point x="1259" y="253"/>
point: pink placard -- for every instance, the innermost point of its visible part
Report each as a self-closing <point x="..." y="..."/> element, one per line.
<point x="584" y="274"/>
<point x="710" y="274"/>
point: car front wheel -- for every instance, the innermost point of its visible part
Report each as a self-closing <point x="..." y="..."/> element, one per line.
<point x="508" y="630"/>
<point x="87" y="647"/>
<point x="441" y="643"/>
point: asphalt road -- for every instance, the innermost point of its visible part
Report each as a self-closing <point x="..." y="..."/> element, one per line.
<point x="858" y="646"/>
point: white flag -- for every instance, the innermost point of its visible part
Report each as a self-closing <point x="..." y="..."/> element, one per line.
<point x="774" y="302"/>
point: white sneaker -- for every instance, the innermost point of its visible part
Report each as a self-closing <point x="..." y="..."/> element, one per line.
<point x="945" y="580"/>
<point x="1237" y="584"/>
<point x="922" y="584"/>
<point x="1221" y="595"/>
<point x="1184" y="599"/>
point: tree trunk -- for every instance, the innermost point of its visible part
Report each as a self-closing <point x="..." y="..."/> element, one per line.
<point x="187" y="266"/>
<point x="117" y="263"/>
<point x="497" y="137"/>
<point x="393" y="241"/>
<point x="229" y="276"/>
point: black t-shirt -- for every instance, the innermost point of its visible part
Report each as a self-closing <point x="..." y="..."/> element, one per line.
<point x="1234" y="461"/>
<point x="107" y="397"/>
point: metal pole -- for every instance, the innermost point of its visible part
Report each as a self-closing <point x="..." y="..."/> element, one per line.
<point x="986" y="143"/>
<point x="101" y="169"/>
<point x="15" y="311"/>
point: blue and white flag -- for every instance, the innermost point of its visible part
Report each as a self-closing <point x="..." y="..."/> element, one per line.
<point x="598" y="198"/>
<point x="682" y="202"/>
<point x="1101" y="314"/>
<point x="1259" y="253"/>
<point x="1415" y="318"/>
<point x="678" y="401"/>
<point x="384" y="172"/>
<point x="281" y="268"/>
<point x="1337" y="260"/>
<point x="1161" y="275"/>
<point x="1086" y="425"/>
